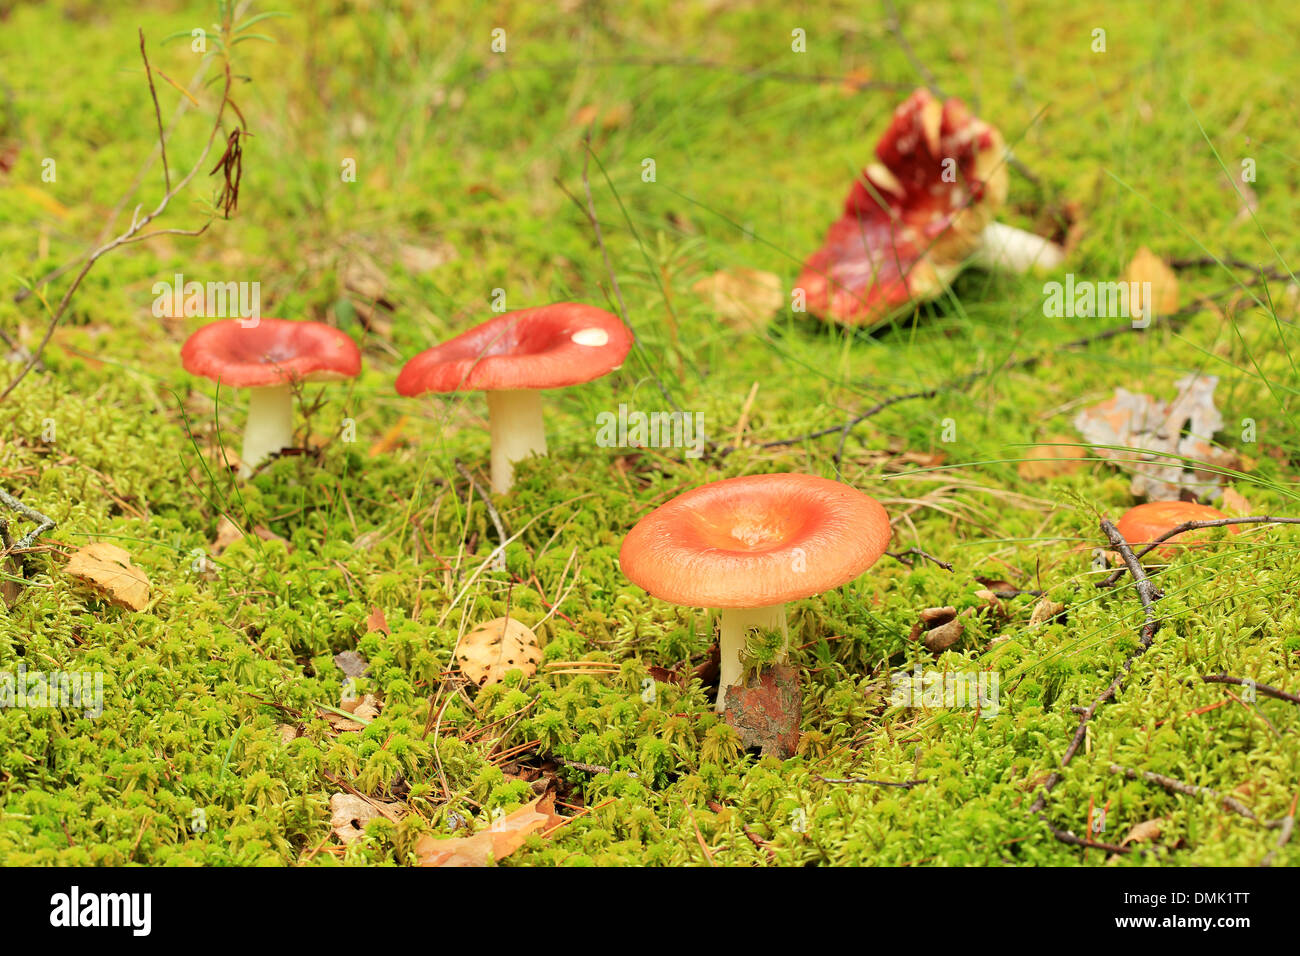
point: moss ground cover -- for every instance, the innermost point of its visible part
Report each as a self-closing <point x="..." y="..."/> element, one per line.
<point x="217" y="699"/>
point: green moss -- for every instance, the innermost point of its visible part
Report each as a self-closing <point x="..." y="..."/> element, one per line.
<point x="197" y="688"/>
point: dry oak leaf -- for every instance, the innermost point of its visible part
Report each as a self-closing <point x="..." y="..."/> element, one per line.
<point x="1061" y="457"/>
<point x="505" y="835"/>
<point x="1151" y="438"/>
<point x="1146" y="266"/>
<point x="502" y="644"/>
<point x="108" y="569"/>
<point x="745" y="298"/>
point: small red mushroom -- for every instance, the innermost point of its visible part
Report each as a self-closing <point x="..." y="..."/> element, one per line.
<point x="268" y="359"/>
<point x="510" y="358"/>
<point x="918" y="215"/>
<point x="748" y="545"/>
<point x="1142" y="524"/>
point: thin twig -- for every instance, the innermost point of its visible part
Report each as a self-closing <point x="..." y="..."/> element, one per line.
<point x="1192" y="790"/>
<point x="901" y="556"/>
<point x="1148" y="594"/>
<point x="753" y="837"/>
<point x="1283" y="838"/>
<point x="898" y="784"/>
<point x="157" y="112"/>
<point x="1065" y="836"/>
<point x="1193" y="526"/>
<point x="44" y="523"/>
<point x="1264" y="689"/>
<point x="137" y="226"/>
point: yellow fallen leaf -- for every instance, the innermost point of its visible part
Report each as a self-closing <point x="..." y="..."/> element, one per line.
<point x="502" y="644"/>
<point x="505" y="835"/>
<point x="43" y="199"/>
<point x="1149" y="267"/>
<point x="390" y="439"/>
<point x="745" y="298"/>
<point x="108" y="569"/>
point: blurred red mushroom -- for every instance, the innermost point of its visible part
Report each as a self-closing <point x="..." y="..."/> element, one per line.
<point x="1142" y="524"/>
<point x="748" y="545"/>
<point x="513" y="356"/>
<point x="918" y="215"/>
<point x="268" y="359"/>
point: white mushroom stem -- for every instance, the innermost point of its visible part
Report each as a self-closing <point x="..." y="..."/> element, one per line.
<point x="270" y="425"/>
<point x="733" y="627"/>
<point x="1014" y="250"/>
<point x="517" y="432"/>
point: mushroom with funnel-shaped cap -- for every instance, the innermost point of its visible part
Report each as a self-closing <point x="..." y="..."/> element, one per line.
<point x="1142" y="524"/>
<point x="512" y="357"/>
<point x="748" y="545"/>
<point x="918" y="215"/>
<point x="268" y="359"/>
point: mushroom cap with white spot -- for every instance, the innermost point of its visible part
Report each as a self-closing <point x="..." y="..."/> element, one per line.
<point x="552" y="346"/>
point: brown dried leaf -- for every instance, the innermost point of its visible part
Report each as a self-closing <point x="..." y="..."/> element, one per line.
<point x="745" y="298"/>
<point x="376" y="621"/>
<point x="1144" y="832"/>
<point x="109" y="571"/>
<point x="227" y="534"/>
<point x="502" y="644"/>
<point x="939" y="628"/>
<point x="495" y="843"/>
<point x="1045" y="610"/>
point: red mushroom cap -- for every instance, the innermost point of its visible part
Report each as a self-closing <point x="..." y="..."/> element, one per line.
<point x="1142" y="524"/>
<point x="273" y="352"/>
<point x="906" y="229"/>
<point x="552" y="346"/>
<point x="755" y="541"/>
